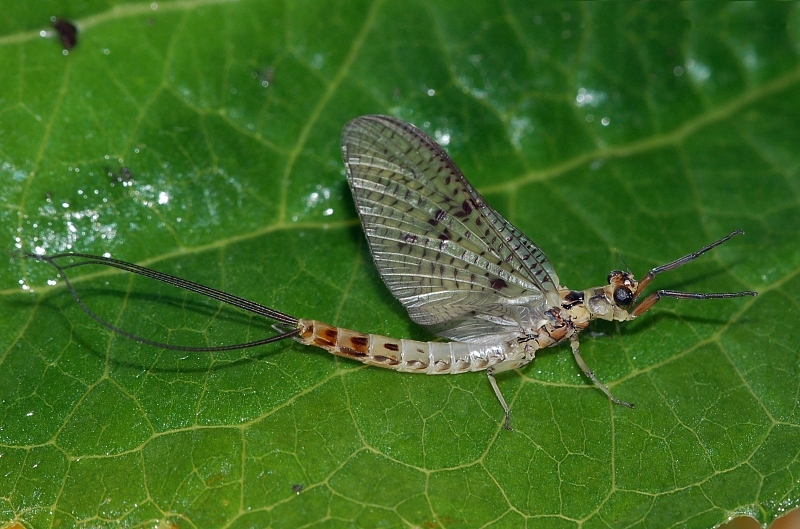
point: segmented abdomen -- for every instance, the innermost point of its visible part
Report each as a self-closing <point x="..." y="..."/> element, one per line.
<point x="409" y="356"/>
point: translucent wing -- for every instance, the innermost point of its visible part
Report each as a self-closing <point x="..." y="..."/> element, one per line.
<point x="457" y="265"/>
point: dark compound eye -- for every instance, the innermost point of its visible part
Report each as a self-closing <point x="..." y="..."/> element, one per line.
<point x="623" y="296"/>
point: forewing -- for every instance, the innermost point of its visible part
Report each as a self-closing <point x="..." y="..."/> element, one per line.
<point x="442" y="251"/>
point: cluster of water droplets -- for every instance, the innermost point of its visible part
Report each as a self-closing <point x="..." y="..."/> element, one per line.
<point x="319" y="198"/>
<point x="89" y="218"/>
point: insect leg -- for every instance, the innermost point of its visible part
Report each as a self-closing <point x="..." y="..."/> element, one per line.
<point x="496" y="389"/>
<point x="576" y="352"/>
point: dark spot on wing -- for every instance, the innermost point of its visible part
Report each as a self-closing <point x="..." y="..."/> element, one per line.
<point x="497" y="283"/>
<point x="407" y="238"/>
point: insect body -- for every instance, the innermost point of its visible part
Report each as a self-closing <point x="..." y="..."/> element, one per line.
<point x="459" y="268"/>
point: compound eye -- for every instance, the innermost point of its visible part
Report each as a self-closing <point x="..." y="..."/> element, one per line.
<point x="623" y="296"/>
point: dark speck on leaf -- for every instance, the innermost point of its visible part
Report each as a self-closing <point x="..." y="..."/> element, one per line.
<point x="124" y="176"/>
<point x="67" y="32"/>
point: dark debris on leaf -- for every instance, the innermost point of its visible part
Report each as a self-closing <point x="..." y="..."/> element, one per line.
<point x="67" y="32"/>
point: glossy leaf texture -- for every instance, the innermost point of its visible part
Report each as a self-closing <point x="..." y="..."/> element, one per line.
<point x="201" y="138"/>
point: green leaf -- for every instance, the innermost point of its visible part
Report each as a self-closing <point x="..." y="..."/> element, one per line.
<point x="201" y="138"/>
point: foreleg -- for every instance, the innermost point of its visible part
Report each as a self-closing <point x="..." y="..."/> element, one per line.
<point x="576" y="352"/>
<point x="499" y="395"/>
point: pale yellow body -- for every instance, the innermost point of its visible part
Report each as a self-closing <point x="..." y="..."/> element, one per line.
<point x="436" y="358"/>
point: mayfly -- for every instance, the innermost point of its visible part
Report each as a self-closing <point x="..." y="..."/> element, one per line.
<point x="459" y="268"/>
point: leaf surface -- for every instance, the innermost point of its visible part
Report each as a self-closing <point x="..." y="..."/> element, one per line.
<point x="201" y="138"/>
